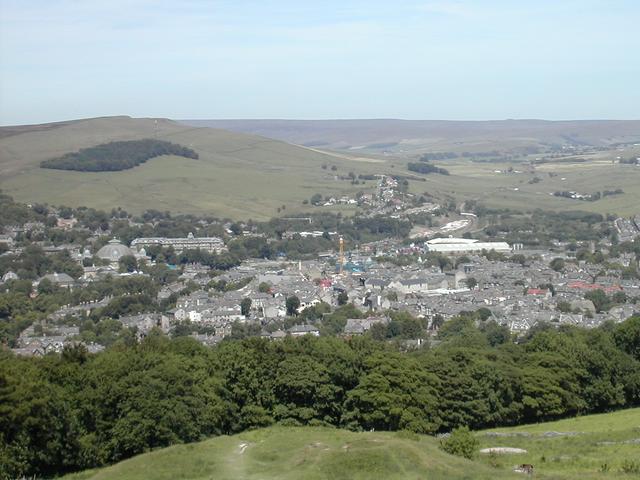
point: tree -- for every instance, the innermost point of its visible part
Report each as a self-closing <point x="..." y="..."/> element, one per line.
<point x="484" y="313"/>
<point x="378" y="331"/>
<point x="128" y="263"/>
<point x="304" y="391"/>
<point x="557" y="264"/>
<point x="264" y="287"/>
<point x="343" y="298"/>
<point x="437" y="321"/>
<point x="394" y="394"/>
<point x="599" y="299"/>
<point x="627" y="336"/>
<point x="46" y="286"/>
<point x="245" y="306"/>
<point x="316" y="199"/>
<point x="563" y="306"/>
<point x="472" y="283"/>
<point x="292" y="303"/>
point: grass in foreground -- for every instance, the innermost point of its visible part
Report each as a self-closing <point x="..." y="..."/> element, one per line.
<point x="304" y="452"/>
<point x="589" y="447"/>
<point x="593" y="446"/>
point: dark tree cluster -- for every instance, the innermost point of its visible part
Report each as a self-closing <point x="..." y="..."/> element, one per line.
<point x="114" y="156"/>
<point x="541" y="227"/>
<point x="426" y="168"/>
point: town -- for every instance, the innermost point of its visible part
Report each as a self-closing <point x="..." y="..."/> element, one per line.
<point x="401" y="288"/>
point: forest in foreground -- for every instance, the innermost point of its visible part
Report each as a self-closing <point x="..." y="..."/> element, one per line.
<point x="72" y="411"/>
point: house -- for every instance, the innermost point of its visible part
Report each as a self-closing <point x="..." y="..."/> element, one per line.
<point x="410" y="285"/>
<point x="376" y="283"/>
<point x="301" y="330"/>
<point x="58" y="279"/>
<point x="66" y="223"/>
<point x="278" y="335"/>
<point x="539" y="292"/>
<point x="358" y="326"/>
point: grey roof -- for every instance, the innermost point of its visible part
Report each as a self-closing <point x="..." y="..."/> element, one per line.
<point x="302" y="329"/>
<point x="58" y="278"/>
<point x="113" y="251"/>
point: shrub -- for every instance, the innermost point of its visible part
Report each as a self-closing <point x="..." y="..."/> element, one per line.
<point x="461" y="442"/>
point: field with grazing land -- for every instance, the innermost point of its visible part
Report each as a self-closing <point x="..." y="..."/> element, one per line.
<point x="527" y="188"/>
<point x="237" y="175"/>
<point x="595" y="446"/>
<point x="243" y="176"/>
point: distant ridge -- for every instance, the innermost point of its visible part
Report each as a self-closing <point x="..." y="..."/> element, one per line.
<point x="424" y="135"/>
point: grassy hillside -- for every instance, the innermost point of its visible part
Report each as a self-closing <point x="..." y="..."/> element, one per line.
<point x="593" y="446"/>
<point x="295" y="453"/>
<point x="244" y="176"/>
<point x="567" y="449"/>
<point x="237" y="175"/>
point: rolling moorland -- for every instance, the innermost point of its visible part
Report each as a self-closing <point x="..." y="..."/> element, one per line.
<point x="237" y="175"/>
<point x="244" y="176"/>
<point x="418" y="136"/>
<point x="593" y="446"/>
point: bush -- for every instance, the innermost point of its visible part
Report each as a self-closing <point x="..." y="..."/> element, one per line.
<point x="461" y="443"/>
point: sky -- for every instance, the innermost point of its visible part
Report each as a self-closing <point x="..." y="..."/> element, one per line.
<point x="306" y="59"/>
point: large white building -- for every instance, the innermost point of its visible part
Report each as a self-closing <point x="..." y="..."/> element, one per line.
<point x="461" y="246"/>
<point x="210" y="244"/>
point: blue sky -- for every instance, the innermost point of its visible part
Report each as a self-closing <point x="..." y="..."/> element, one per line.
<point x="449" y="59"/>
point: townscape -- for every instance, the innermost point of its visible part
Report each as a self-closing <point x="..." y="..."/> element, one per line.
<point x="336" y="240"/>
<point x="340" y="288"/>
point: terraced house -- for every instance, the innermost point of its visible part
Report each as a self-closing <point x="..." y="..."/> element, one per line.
<point x="210" y="244"/>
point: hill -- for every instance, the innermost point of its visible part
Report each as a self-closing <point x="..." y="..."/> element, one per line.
<point x="237" y="175"/>
<point x="593" y="446"/>
<point x="401" y="136"/>
<point x="243" y="176"/>
<point x="299" y="452"/>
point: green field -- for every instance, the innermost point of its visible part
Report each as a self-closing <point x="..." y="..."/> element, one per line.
<point x="589" y="447"/>
<point x="324" y="453"/>
<point x="244" y="176"/>
<point x="480" y="181"/>
<point x="237" y="175"/>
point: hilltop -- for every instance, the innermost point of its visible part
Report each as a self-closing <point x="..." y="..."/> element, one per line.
<point x="593" y="446"/>
<point x="236" y="175"/>
<point x="415" y="136"/>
